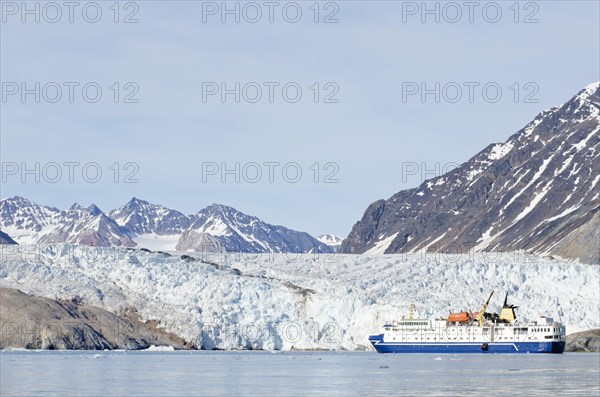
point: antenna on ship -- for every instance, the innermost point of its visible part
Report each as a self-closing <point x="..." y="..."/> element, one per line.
<point x="410" y="311"/>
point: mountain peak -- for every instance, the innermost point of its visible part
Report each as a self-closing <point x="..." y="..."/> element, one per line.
<point x="18" y="200"/>
<point x="239" y="232"/>
<point x="220" y="207"/>
<point x="28" y="223"/>
<point x="136" y="202"/>
<point x="91" y="209"/>
<point x="223" y="211"/>
<point x="76" y="207"/>
<point x="590" y="90"/>
<point x="140" y="222"/>
<point x="142" y="217"/>
<point x="331" y="240"/>
<point x="94" y="210"/>
<point x="538" y="192"/>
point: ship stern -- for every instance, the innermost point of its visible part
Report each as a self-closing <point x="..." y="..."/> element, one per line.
<point x="558" y="347"/>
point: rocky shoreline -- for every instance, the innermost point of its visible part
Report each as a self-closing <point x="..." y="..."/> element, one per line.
<point x="33" y="322"/>
<point x="585" y="341"/>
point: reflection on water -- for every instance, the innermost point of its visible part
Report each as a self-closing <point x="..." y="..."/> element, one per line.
<point x="126" y="373"/>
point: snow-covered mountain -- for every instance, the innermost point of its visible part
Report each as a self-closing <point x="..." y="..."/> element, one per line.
<point x="28" y="222"/>
<point x="538" y="192"/>
<point x="303" y="301"/>
<point x="25" y="220"/>
<point x="239" y="232"/>
<point x="331" y="240"/>
<point x="152" y="226"/>
<point x="141" y="217"/>
<point x="88" y="226"/>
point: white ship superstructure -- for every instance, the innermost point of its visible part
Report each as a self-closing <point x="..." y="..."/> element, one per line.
<point x="467" y="332"/>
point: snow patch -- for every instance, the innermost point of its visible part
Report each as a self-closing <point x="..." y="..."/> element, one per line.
<point x="581" y="144"/>
<point x="500" y="150"/>
<point x="330" y="240"/>
<point x="533" y="203"/>
<point x="155" y="242"/>
<point x="381" y="245"/>
<point x="564" y="213"/>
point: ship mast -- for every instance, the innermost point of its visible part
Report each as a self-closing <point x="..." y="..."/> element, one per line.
<point x="482" y="311"/>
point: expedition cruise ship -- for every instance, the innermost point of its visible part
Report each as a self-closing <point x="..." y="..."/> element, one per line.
<point x="467" y="332"/>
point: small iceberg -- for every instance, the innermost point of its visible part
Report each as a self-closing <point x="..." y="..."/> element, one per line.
<point x="154" y="348"/>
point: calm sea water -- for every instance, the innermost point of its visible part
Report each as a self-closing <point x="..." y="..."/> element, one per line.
<point x="128" y="373"/>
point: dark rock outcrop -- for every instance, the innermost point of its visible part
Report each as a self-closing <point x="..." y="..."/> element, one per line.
<point x="191" y="240"/>
<point x="585" y="341"/>
<point x="5" y="238"/>
<point x="33" y="322"/>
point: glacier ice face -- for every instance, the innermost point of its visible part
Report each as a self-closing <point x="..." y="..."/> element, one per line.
<point x="299" y="301"/>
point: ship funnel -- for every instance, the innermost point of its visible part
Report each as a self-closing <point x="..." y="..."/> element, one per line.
<point x="508" y="311"/>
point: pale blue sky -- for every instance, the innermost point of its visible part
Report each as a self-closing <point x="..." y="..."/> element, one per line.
<point x="369" y="53"/>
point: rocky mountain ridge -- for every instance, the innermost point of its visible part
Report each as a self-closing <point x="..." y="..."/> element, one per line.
<point x="140" y="223"/>
<point x="537" y="192"/>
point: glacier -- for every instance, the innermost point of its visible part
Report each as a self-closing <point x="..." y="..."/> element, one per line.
<point x="277" y="301"/>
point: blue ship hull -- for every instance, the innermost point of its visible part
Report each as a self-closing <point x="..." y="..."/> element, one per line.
<point x="465" y="347"/>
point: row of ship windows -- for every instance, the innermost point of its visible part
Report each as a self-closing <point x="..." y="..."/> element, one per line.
<point x="555" y="329"/>
<point x="532" y="337"/>
<point x="412" y="324"/>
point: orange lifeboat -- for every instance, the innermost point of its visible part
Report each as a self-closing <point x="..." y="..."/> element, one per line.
<point x="462" y="317"/>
